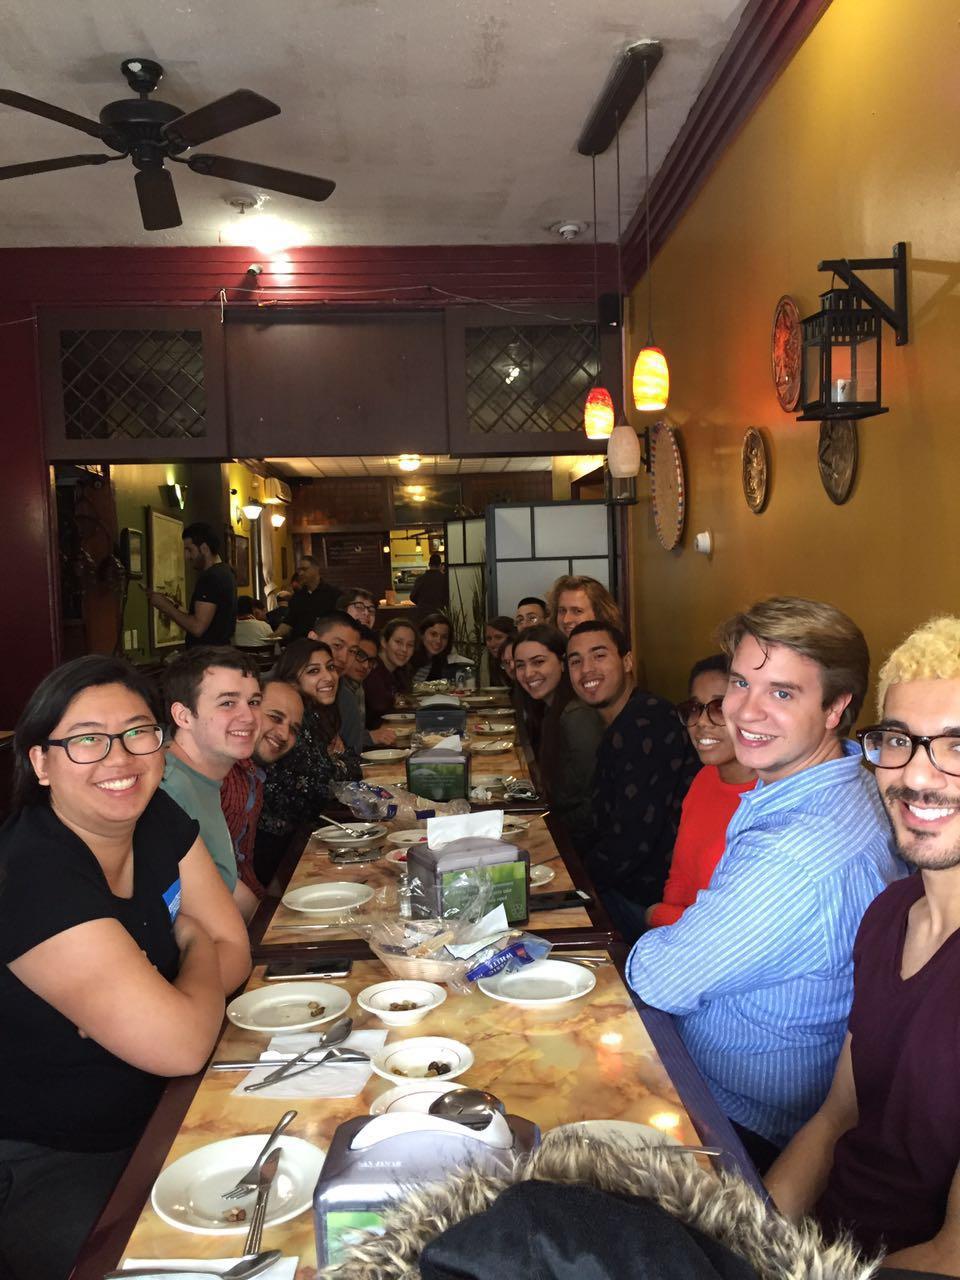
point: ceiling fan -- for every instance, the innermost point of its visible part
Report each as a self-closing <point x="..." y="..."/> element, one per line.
<point x="148" y="132"/>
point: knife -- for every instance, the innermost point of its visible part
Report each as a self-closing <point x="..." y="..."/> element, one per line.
<point x="251" y="1266"/>
<point x="268" y="1171"/>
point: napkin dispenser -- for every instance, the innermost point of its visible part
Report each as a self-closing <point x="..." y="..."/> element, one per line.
<point x="438" y="888"/>
<point x="439" y="774"/>
<point x="373" y="1160"/>
<point x="436" y="718"/>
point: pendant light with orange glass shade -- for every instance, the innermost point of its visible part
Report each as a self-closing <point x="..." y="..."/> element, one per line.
<point x="598" y="414"/>
<point x="651" y="376"/>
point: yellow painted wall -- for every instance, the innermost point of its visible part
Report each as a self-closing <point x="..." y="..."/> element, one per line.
<point x="855" y="147"/>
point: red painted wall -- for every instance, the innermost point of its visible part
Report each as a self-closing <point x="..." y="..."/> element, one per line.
<point x="367" y="277"/>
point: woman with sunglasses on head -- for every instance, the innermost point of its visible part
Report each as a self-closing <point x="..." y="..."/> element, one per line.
<point x="391" y="675"/>
<point x="713" y="796"/>
<point x="298" y="786"/>
<point x="118" y="943"/>
<point x="564" y="731"/>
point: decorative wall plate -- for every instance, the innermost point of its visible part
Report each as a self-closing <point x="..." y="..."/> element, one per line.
<point x="755" y="470"/>
<point x="667" y="485"/>
<point x="786" y="353"/>
<point x="837" y="455"/>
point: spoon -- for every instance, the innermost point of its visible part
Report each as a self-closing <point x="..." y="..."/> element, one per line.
<point x="250" y="1266"/>
<point x="336" y="1034"/>
<point x="474" y="1108"/>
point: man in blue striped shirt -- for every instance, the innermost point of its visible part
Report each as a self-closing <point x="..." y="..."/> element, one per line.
<point x="759" y="971"/>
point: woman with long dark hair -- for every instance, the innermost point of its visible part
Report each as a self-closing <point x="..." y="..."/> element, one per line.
<point x="118" y="943"/>
<point x="496" y="632"/>
<point x="298" y="786"/>
<point x="568" y="732"/>
<point x="391" y="676"/>
<point x="435" y="658"/>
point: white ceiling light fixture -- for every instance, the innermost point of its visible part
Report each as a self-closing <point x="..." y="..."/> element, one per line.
<point x="256" y="229"/>
<point x="409" y="462"/>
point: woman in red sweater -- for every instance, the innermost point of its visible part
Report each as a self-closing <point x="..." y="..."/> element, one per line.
<point x="713" y="796"/>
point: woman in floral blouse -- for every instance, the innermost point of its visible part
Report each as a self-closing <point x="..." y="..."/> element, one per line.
<point x="297" y="787"/>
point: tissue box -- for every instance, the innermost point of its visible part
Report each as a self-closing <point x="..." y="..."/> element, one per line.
<point x="439" y="774"/>
<point x="439" y="719"/>
<point x="434" y="873"/>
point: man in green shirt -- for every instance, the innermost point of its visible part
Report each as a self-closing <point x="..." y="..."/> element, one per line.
<point x="212" y="698"/>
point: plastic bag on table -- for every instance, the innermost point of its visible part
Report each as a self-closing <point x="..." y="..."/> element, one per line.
<point x="373" y="803"/>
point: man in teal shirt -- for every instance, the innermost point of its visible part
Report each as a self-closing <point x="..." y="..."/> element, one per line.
<point x="212" y="698"/>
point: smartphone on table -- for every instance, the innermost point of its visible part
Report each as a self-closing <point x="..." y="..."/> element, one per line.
<point x="286" y="970"/>
<point x="559" y="901"/>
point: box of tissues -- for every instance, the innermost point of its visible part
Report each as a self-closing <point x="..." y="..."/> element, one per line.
<point x="439" y="773"/>
<point x="439" y="888"/>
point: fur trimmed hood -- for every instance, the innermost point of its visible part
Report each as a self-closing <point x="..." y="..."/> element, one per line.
<point x="721" y="1207"/>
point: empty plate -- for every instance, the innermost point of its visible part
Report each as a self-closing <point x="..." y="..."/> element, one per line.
<point x="288" y="1006"/>
<point x="412" y="1059"/>
<point x="189" y="1193"/>
<point x="541" y="875"/>
<point x="400" y="717"/>
<point x="543" y="983"/>
<point x="327" y="899"/>
<point x="414" y="835"/>
<point x="416" y="1096"/>
<point x="384" y="755"/>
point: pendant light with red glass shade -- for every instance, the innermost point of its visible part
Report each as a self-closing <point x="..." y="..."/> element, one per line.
<point x="598" y="414"/>
<point x="651" y="376"/>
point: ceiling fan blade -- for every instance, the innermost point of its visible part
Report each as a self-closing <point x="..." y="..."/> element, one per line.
<point x="158" y="200"/>
<point x="263" y="175"/>
<point x="225" y="115"/>
<point x="48" y="166"/>
<point x="46" y="109"/>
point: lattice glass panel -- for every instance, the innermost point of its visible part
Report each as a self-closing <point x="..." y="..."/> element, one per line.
<point x="529" y="378"/>
<point x="133" y="384"/>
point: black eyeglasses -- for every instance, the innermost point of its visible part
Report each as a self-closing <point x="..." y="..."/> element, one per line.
<point x="365" y="658"/>
<point x="89" y="748"/>
<point x="691" y="711"/>
<point x="895" y="748"/>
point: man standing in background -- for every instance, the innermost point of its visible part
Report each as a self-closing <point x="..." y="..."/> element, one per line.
<point x="315" y="599"/>
<point x="429" y="592"/>
<point x="212" y="616"/>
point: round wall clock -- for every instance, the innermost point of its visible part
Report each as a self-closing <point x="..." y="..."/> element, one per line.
<point x="786" y="353"/>
<point x="755" y="470"/>
<point x="837" y="455"/>
<point x="667" y="485"/>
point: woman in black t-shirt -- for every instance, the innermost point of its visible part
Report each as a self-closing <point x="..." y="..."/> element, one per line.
<point x="118" y="942"/>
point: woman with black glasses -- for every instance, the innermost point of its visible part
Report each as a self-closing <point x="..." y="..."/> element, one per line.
<point x="713" y="796"/>
<point x="118" y="942"/>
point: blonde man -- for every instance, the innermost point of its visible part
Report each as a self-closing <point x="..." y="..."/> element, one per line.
<point x="881" y="1158"/>
<point x="758" y="972"/>
<point x="573" y="599"/>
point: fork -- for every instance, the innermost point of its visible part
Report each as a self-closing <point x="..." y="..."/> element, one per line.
<point x="331" y="1055"/>
<point x="251" y="1179"/>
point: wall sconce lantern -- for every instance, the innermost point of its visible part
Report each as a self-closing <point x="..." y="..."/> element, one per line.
<point x="252" y="510"/>
<point x="842" y="342"/>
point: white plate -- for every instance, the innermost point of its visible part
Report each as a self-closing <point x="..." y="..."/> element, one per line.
<point x="415" y="1096"/>
<point x="326" y="899"/>
<point x="541" y="875"/>
<point x="285" y="1006"/>
<point x="385" y="755"/>
<point x="494" y="730"/>
<point x="378" y="998"/>
<point x="412" y="835"/>
<point x="399" y="717"/>
<point x="478" y="699"/>
<point x="538" y="985"/>
<point x="398" y="857"/>
<point x="356" y="833"/>
<point x="491" y="748"/>
<point x="189" y="1193"/>
<point x="416" y="1055"/>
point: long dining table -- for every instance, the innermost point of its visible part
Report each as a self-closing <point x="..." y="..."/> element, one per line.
<point x="603" y="1056"/>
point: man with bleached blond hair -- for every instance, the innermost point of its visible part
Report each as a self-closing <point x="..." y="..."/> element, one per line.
<point x="881" y="1157"/>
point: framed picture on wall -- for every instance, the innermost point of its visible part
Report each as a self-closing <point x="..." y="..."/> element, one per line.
<point x="167" y="575"/>
<point x="131" y="551"/>
<point x="237" y="555"/>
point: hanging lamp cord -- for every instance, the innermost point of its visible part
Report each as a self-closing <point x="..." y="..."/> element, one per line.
<point x="646" y="207"/>
<point x="596" y="268"/>
<point x="623" y="345"/>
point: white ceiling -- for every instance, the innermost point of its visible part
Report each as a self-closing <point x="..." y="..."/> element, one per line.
<point x="442" y="121"/>
<point x="315" y="468"/>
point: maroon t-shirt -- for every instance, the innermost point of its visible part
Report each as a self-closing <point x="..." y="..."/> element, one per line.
<point x="893" y="1170"/>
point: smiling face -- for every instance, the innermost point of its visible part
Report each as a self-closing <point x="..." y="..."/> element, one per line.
<point x="227" y="720"/>
<point x="923" y="803"/>
<point x="712" y="742"/>
<point x="493" y="640"/>
<point x="318" y="680"/>
<point x="362" y="657"/>
<point x="538" y="669"/>
<point x="774" y="710"/>
<point x="364" y="610"/>
<point x="398" y="647"/>
<point x="506" y="661"/>
<point x="599" y="675"/>
<point x="573" y="607"/>
<point x="436" y="639"/>
<point x="529" y="615"/>
<point x="107" y="797"/>
<point x="281" y="717"/>
<point x="341" y="640"/>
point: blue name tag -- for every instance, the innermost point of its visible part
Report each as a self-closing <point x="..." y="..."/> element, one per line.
<point x="172" y="899"/>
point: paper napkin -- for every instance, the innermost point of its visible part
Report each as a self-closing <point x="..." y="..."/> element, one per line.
<point x="332" y="1080"/>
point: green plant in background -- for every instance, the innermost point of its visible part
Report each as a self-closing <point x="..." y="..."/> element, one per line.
<point x="468" y="612"/>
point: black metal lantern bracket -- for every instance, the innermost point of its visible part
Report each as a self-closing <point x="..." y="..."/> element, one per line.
<point x="895" y="316"/>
